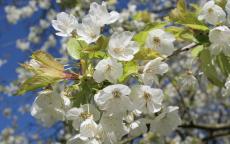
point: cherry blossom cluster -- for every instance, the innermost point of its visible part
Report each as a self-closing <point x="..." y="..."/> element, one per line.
<point x="219" y="36"/>
<point x="117" y="110"/>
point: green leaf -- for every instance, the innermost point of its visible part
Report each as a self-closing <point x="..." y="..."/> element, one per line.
<point x="197" y="27"/>
<point x="201" y="36"/>
<point x="47" y="60"/>
<point x="154" y="25"/>
<point x="224" y="64"/>
<point x="78" y="49"/>
<point x="146" y="54"/>
<point x="196" y="51"/>
<point x="221" y="3"/>
<point x="85" y="91"/>
<point x="182" y="15"/>
<point x="34" y="83"/>
<point x="181" y="33"/>
<point x="208" y="68"/>
<point x="129" y="69"/>
<point x="142" y="16"/>
<point x="74" y="47"/>
<point x="141" y="37"/>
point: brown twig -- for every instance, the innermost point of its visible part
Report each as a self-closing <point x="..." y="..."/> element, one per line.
<point x="217" y="135"/>
<point x="183" y="49"/>
<point x="216" y="127"/>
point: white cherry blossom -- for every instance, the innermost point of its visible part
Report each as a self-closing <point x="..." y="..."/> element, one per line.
<point x="114" y="99"/>
<point x="100" y="14"/>
<point x="121" y="47"/>
<point x="212" y="13"/>
<point x="137" y="128"/>
<point x="113" y="124"/>
<point x="77" y="139"/>
<point x="88" y="128"/>
<point x="227" y="8"/>
<point x="226" y="90"/>
<point x="152" y="69"/>
<point x="220" y="40"/>
<point x="50" y="107"/>
<point x="167" y="121"/>
<point x="146" y="99"/>
<point x="188" y="82"/>
<point x="65" y="24"/>
<point x="88" y="30"/>
<point x="108" y="69"/>
<point x="77" y="115"/>
<point x="160" y="41"/>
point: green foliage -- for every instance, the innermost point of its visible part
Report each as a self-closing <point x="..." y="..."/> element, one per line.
<point x="74" y="47"/>
<point x="181" y="33"/>
<point x="221" y="3"/>
<point x="129" y="69"/>
<point x="201" y="36"/>
<point x="194" y="29"/>
<point x="182" y="15"/>
<point x="196" y="51"/>
<point x="142" y="16"/>
<point x="208" y="68"/>
<point x="34" y="83"/>
<point x="84" y="91"/>
<point x="197" y="27"/>
<point x="47" y="60"/>
<point x="224" y="64"/>
<point x="78" y="49"/>
<point x="49" y="71"/>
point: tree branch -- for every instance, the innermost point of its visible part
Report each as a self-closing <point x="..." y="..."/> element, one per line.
<point x="183" y="49"/>
<point x="217" y="135"/>
<point x="206" y="127"/>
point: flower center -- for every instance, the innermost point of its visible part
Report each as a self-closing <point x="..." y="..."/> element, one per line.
<point x="108" y="68"/>
<point x="92" y="35"/>
<point x="116" y="94"/>
<point x="147" y="96"/>
<point x="156" y="40"/>
<point x="85" y="115"/>
<point x="118" y="50"/>
<point x="210" y="10"/>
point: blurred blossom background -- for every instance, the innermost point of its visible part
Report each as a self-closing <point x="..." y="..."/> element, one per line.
<point x="25" y="26"/>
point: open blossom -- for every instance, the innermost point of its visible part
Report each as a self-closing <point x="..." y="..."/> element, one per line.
<point x="160" y="41"/>
<point x="227" y="8"/>
<point x="166" y="122"/>
<point x="88" y="128"/>
<point x="65" y="24"/>
<point x="188" y="82"/>
<point x="226" y="90"/>
<point x="88" y="30"/>
<point x="146" y="99"/>
<point x="100" y="14"/>
<point x="77" y="115"/>
<point x="220" y="40"/>
<point x="152" y="69"/>
<point x="114" y="126"/>
<point x="50" y="107"/>
<point x="77" y="139"/>
<point x="121" y="47"/>
<point x="108" y="69"/>
<point x="114" y="99"/>
<point x="212" y="13"/>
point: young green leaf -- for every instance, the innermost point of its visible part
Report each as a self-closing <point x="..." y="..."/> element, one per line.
<point x="208" y="68"/>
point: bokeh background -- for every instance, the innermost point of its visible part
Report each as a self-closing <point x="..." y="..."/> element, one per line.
<point x="24" y="28"/>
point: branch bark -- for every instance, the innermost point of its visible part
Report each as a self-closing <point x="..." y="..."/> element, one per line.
<point x="183" y="49"/>
<point x="216" y="127"/>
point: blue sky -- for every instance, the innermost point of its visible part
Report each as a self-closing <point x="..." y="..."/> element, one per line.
<point x="9" y="33"/>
